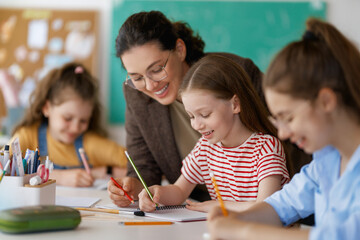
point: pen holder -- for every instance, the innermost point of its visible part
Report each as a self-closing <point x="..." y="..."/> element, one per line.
<point x="15" y="191"/>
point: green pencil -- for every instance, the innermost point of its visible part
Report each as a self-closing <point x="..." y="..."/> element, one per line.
<point x="138" y="174"/>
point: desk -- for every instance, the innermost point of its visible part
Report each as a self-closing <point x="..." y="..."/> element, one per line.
<point x="91" y="229"/>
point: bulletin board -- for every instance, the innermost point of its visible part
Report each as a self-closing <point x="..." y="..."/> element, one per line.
<point x="33" y="41"/>
<point x="251" y="29"/>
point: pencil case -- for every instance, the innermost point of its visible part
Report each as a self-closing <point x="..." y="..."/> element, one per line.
<point x="17" y="192"/>
<point x="39" y="219"/>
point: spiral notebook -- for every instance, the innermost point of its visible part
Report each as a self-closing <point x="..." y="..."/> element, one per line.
<point x="177" y="213"/>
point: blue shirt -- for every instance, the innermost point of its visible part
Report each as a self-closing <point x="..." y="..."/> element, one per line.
<point x="319" y="189"/>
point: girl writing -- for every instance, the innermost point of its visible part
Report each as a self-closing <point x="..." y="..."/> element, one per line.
<point x="63" y="116"/>
<point x="237" y="141"/>
<point x="312" y="89"/>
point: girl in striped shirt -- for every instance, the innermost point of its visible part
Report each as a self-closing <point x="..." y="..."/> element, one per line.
<point x="238" y="143"/>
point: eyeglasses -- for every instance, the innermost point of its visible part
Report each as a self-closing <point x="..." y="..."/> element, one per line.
<point x="156" y="73"/>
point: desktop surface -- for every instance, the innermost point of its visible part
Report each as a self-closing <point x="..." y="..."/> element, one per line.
<point x="106" y="226"/>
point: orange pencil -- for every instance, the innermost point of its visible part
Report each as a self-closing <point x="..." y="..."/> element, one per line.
<point x="144" y="223"/>
<point x="118" y="185"/>
<point x="222" y="205"/>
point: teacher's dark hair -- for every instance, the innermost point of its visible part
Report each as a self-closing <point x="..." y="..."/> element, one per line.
<point x="144" y="27"/>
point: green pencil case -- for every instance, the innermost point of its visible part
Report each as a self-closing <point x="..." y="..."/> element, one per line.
<point x="39" y="219"/>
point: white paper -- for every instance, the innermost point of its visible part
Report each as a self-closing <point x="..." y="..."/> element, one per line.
<point x="85" y="202"/>
<point x="38" y="34"/>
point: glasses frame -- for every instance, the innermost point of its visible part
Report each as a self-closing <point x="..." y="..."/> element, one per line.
<point x="129" y="82"/>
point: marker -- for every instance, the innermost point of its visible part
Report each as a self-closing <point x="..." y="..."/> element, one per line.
<point x="144" y="223"/>
<point x="118" y="185"/>
<point x="83" y="158"/>
<point x="36" y="159"/>
<point x="6" y="154"/>
<point x="138" y="174"/>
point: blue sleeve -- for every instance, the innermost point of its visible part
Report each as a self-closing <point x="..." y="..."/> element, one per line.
<point x="348" y="229"/>
<point x="296" y="199"/>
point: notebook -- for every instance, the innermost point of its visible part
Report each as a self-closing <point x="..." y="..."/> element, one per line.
<point x="177" y="213"/>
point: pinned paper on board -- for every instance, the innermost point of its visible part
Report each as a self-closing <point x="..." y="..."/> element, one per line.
<point x="7" y="28"/>
<point x="26" y="89"/>
<point x="21" y="53"/>
<point x="56" y="45"/>
<point x="38" y="34"/>
<point x="57" y="24"/>
<point x="34" y="56"/>
<point x="79" y="44"/>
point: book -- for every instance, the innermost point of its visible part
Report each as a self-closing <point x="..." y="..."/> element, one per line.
<point x="177" y="213"/>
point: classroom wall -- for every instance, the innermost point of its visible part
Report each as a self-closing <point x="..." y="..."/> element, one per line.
<point x="343" y="14"/>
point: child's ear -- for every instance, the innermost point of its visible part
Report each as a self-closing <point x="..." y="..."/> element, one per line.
<point x="235" y="104"/>
<point x="327" y="99"/>
<point x="180" y="49"/>
<point x="46" y="109"/>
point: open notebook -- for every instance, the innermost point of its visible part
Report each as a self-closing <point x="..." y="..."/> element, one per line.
<point x="176" y="213"/>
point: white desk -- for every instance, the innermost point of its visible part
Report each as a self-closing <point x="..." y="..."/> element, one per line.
<point x="94" y="229"/>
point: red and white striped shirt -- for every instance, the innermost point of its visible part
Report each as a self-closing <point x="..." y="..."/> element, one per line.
<point x="237" y="170"/>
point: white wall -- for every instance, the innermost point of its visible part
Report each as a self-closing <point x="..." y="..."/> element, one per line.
<point x="344" y="14"/>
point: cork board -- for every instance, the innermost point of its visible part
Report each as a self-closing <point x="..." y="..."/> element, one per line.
<point x="33" y="41"/>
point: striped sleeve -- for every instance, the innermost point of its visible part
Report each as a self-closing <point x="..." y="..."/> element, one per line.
<point x="272" y="160"/>
<point x="191" y="169"/>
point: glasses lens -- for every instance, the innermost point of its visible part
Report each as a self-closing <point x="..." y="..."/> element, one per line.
<point x="136" y="83"/>
<point x="157" y="73"/>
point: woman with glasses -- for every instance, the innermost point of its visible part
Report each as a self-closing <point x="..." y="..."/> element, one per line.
<point x="156" y="54"/>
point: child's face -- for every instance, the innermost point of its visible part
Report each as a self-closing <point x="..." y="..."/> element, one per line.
<point x="303" y="123"/>
<point x="216" y="119"/>
<point x="68" y="120"/>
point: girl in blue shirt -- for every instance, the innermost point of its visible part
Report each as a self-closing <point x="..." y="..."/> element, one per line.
<point x="312" y="89"/>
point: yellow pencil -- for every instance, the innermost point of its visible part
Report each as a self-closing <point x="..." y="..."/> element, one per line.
<point x="222" y="205"/>
<point x="99" y="210"/>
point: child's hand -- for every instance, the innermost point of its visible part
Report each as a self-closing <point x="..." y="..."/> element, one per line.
<point x="131" y="185"/>
<point x="201" y="206"/>
<point x="221" y="227"/>
<point x="145" y="202"/>
<point x="73" y="177"/>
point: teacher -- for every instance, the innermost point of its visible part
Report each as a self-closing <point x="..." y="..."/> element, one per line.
<point x="156" y="54"/>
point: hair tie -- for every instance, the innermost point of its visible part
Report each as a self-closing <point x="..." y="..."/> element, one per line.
<point x="308" y="35"/>
<point x="78" y="70"/>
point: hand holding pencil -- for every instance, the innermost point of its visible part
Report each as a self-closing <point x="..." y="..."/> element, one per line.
<point x="118" y="185"/>
<point x="130" y="185"/>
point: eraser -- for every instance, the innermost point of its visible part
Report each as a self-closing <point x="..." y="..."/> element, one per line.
<point x="139" y="213"/>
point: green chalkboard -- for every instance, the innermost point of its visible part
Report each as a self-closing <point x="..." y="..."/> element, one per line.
<point x="252" y="29"/>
